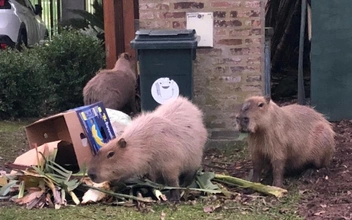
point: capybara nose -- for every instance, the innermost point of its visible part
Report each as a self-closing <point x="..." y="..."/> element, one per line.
<point x="245" y="120"/>
<point x="92" y="176"/>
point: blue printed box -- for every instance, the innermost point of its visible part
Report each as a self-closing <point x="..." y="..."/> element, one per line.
<point x="96" y="123"/>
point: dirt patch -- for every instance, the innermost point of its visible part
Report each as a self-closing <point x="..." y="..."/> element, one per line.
<point x="327" y="194"/>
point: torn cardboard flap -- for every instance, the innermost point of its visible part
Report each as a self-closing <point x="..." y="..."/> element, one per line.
<point x="30" y="157"/>
<point x="64" y="154"/>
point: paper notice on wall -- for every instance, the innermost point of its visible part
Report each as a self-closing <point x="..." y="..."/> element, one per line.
<point x="203" y="23"/>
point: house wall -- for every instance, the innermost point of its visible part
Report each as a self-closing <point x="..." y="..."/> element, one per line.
<point x="230" y="71"/>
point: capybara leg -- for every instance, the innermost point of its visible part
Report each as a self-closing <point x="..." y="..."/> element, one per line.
<point x="257" y="171"/>
<point x="174" y="193"/>
<point x="132" y="105"/>
<point x="268" y="178"/>
<point x="258" y="164"/>
<point x="278" y="172"/>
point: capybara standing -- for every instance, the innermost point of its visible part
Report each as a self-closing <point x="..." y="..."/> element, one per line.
<point x="165" y="145"/>
<point x="114" y="87"/>
<point x="282" y="139"/>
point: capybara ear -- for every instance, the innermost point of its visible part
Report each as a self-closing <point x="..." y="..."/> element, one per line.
<point x="122" y="143"/>
<point x="127" y="56"/>
<point x="267" y="98"/>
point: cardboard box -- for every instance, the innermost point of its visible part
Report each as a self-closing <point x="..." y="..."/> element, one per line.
<point x="96" y="123"/>
<point x="67" y="127"/>
<point x="61" y="127"/>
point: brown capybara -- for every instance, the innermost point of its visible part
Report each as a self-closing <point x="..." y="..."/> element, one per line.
<point x="116" y="87"/>
<point x="165" y="145"/>
<point x="284" y="139"/>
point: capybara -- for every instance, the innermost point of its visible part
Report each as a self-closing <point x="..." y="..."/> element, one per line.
<point x="166" y="145"/>
<point x="116" y="87"/>
<point x="284" y="139"/>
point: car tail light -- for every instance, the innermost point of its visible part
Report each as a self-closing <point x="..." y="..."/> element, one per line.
<point x="3" y="46"/>
<point x="4" y="4"/>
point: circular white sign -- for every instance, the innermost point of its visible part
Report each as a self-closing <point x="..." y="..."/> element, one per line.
<point x="164" y="89"/>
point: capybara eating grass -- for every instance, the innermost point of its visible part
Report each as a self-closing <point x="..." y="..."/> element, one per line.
<point x="284" y="139"/>
<point x="116" y="87"/>
<point x="165" y="145"/>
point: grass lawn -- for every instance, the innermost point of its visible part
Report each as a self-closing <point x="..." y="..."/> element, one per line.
<point x="12" y="144"/>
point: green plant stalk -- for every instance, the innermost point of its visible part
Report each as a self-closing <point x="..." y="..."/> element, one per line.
<point x="161" y="187"/>
<point x="21" y="189"/>
<point x="268" y="190"/>
<point x="74" y="197"/>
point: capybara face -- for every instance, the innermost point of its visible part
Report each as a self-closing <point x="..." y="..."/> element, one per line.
<point x="107" y="164"/>
<point x="251" y="114"/>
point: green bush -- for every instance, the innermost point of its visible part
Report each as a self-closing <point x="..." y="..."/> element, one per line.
<point x="21" y="84"/>
<point x="48" y="78"/>
<point x="71" y="60"/>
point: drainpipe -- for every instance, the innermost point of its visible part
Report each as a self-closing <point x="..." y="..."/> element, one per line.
<point x="267" y="61"/>
<point x="301" y="95"/>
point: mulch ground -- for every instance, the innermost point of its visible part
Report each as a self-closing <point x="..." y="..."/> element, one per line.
<point x="327" y="194"/>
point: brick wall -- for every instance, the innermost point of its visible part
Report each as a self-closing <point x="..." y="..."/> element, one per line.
<point x="230" y="71"/>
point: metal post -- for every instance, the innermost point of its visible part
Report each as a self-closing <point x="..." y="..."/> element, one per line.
<point x="301" y="95"/>
<point x="267" y="61"/>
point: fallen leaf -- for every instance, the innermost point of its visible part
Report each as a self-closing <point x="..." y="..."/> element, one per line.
<point x="162" y="217"/>
<point x="283" y="210"/>
<point x="208" y="209"/>
<point x="49" y="202"/>
<point x="39" y="202"/>
<point x="3" y="180"/>
<point x="319" y="213"/>
<point x="301" y="192"/>
<point x="8" y="187"/>
<point x="159" y="195"/>
<point x="323" y="205"/>
<point x="203" y="179"/>
<point x="29" y="197"/>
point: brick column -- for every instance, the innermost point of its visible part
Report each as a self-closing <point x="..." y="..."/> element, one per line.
<point x="230" y="71"/>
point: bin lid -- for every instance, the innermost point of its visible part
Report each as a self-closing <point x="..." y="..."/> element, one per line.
<point x="165" y="39"/>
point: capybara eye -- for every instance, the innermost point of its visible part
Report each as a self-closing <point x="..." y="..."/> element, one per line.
<point x="245" y="119"/>
<point x="110" y="154"/>
<point x="261" y="105"/>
